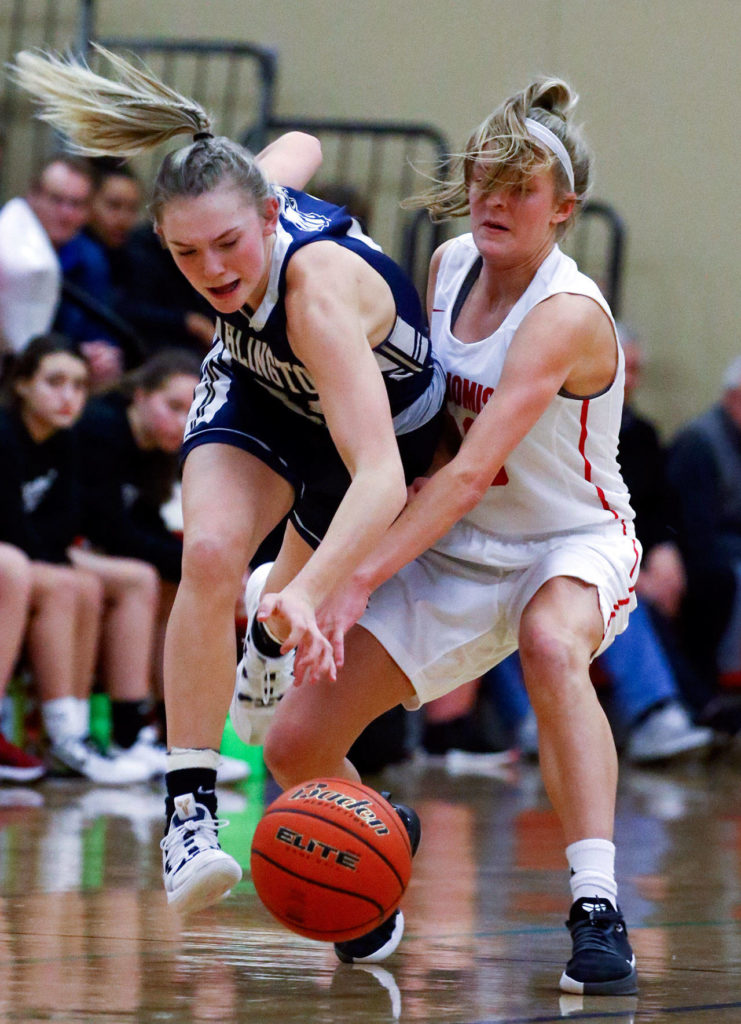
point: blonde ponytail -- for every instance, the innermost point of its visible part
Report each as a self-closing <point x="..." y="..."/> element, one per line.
<point x="134" y="113"/>
<point x="101" y="116"/>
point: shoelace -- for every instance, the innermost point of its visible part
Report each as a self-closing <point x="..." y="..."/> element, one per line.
<point x="593" y="933"/>
<point x="268" y="678"/>
<point x="191" y="827"/>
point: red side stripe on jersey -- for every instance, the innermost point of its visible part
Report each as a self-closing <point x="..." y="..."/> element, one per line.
<point x="587" y="463"/>
<point x="635" y="549"/>
<point x="615" y="609"/>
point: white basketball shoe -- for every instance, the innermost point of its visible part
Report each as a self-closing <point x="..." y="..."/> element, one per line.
<point x="261" y="681"/>
<point x="195" y="870"/>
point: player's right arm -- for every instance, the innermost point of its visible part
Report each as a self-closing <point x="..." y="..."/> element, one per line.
<point x="553" y="345"/>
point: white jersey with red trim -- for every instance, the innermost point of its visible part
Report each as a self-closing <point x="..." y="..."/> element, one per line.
<point x="563" y="476"/>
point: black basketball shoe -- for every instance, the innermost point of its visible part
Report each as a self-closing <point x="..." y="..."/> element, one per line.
<point x="602" y="963"/>
<point x="380" y="943"/>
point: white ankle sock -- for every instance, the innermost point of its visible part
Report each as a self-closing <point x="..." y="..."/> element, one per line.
<point x="61" y="719"/>
<point x="83" y="715"/>
<point x="592" y="863"/>
<point x="192" y="757"/>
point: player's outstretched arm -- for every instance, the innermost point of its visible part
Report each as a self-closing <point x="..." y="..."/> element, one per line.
<point x="336" y="309"/>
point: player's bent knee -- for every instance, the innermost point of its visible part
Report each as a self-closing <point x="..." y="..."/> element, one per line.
<point x="549" y="654"/>
<point x="148" y="584"/>
<point x="212" y="561"/>
<point x="293" y="754"/>
<point x="15" y="566"/>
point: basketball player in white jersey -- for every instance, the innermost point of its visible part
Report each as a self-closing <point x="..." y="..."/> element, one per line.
<point x="524" y="538"/>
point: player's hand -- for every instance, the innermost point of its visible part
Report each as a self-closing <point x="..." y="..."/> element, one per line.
<point x="339" y="612"/>
<point x="291" y="615"/>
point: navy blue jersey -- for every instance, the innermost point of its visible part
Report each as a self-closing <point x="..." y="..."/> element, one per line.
<point x="257" y="341"/>
<point x="255" y="393"/>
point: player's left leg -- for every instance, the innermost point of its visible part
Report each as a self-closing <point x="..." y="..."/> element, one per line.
<point x="300" y="746"/>
<point x="231" y="501"/>
<point x="560" y="629"/>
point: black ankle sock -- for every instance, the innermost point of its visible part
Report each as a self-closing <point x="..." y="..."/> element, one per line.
<point x="201" y="782"/>
<point x="264" y="643"/>
<point x="128" y="718"/>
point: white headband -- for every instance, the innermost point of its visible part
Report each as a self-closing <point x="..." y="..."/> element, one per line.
<point x="552" y="142"/>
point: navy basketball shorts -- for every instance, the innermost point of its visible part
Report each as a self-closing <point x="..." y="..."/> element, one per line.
<point x="237" y="411"/>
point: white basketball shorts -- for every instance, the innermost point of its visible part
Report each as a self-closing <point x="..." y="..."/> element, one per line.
<point x="446" y="621"/>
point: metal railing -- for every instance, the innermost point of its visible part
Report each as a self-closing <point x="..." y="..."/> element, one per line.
<point x="24" y="24"/>
<point x="370" y="166"/>
<point x="598" y="246"/>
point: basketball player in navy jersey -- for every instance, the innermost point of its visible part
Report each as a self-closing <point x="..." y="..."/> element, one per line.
<point x="319" y="401"/>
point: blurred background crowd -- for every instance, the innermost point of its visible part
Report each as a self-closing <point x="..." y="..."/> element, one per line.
<point x="101" y="341"/>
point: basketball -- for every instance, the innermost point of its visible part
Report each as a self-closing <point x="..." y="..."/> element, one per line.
<point x="331" y="859"/>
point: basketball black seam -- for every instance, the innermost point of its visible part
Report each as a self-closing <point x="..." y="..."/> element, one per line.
<point x="320" y="884"/>
<point x="342" y="828"/>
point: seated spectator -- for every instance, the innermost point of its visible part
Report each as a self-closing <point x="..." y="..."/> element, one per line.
<point x="41" y="513"/>
<point x="39" y="249"/>
<point x="31" y="228"/>
<point x="86" y="274"/>
<point x="167" y="311"/>
<point x="115" y="206"/>
<point x="16" y="765"/>
<point x="126" y="246"/>
<point x="704" y="468"/>
<point x="130" y="439"/>
<point x="662" y="583"/>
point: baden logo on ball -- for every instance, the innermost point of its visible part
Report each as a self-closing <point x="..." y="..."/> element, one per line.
<point x="331" y="859"/>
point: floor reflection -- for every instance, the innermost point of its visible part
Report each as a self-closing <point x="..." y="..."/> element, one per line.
<point x="85" y="934"/>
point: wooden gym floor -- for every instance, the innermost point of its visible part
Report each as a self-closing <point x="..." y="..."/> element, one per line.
<point x="84" y="935"/>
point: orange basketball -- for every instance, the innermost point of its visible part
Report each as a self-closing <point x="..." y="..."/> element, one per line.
<point x="331" y="859"/>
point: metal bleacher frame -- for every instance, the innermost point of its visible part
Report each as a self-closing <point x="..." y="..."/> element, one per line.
<point x="409" y="236"/>
<point x="376" y="159"/>
<point x="608" y="269"/>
